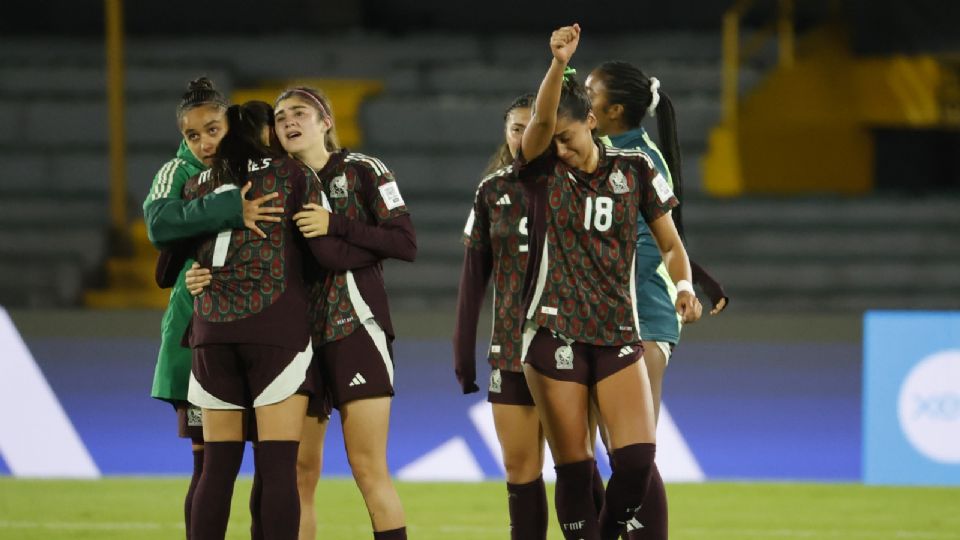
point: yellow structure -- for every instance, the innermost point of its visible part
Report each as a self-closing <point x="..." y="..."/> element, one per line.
<point x="806" y="127"/>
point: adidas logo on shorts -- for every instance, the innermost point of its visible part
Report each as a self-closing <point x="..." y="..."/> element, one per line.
<point x="357" y="380"/>
<point x="625" y="351"/>
<point x="503" y="201"/>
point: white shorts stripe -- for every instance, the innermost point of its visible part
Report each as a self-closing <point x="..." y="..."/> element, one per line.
<point x="289" y="380"/>
<point x="379" y="338"/>
<point x="205" y="400"/>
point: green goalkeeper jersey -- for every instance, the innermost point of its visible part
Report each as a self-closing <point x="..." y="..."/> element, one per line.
<point x="169" y="218"/>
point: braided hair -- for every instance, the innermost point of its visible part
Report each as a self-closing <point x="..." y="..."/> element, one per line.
<point x="628" y="86"/>
<point x="200" y="92"/>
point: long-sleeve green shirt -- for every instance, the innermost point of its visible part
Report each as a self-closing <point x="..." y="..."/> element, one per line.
<point x="169" y="218"/>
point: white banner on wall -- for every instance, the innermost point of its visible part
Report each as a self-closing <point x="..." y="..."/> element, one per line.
<point x="37" y="438"/>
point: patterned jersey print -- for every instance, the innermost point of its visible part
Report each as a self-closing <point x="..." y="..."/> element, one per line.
<point x="249" y="272"/>
<point x="498" y="225"/>
<point x="360" y="188"/>
<point x="584" y="286"/>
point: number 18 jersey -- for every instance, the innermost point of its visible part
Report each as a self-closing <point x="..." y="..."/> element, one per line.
<point x="583" y="232"/>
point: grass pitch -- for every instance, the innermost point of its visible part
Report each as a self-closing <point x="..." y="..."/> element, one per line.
<point x="148" y="509"/>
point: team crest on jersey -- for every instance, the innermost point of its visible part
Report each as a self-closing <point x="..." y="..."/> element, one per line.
<point x="564" y="357"/>
<point x="618" y="182"/>
<point x="338" y="187"/>
<point x="496" y="381"/>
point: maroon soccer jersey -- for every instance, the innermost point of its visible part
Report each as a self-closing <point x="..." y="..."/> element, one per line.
<point x="368" y="213"/>
<point x="257" y="293"/>
<point x="496" y="233"/>
<point x="580" y="278"/>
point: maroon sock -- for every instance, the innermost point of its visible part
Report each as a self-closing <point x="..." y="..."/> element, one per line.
<point x="598" y="491"/>
<point x="256" y="495"/>
<point x="280" y="501"/>
<point x="653" y="514"/>
<point x="528" y="510"/>
<point x="211" y="500"/>
<point x="188" y="502"/>
<point x="392" y="534"/>
<point x="626" y="489"/>
<point x="575" y="509"/>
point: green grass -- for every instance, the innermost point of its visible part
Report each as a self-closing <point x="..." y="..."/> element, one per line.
<point x="147" y="509"/>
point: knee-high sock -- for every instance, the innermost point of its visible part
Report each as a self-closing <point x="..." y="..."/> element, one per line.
<point x="392" y="534"/>
<point x="574" y="500"/>
<point x="211" y="501"/>
<point x="528" y="510"/>
<point x="598" y="491"/>
<point x="626" y="489"/>
<point x="280" y="501"/>
<point x="653" y="513"/>
<point x="256" y="496"/>
<point x="188" y="502"/>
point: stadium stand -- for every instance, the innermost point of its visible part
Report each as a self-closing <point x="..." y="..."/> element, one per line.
<point x="435" y="123"/>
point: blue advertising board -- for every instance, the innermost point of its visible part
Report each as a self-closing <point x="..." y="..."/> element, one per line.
<point x="911" y="398"/>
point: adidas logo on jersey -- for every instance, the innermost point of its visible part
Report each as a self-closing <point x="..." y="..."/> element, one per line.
<point x="625" y="351"/>
<point x="503" y="201"/>
<point x="633" y="525"/>
<point x="357" y="380"/>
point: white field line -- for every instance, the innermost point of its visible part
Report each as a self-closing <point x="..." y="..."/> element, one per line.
<point x="480" y="529"/>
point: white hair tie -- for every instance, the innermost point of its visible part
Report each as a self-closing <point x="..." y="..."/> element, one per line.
<point x="655" y="96"/>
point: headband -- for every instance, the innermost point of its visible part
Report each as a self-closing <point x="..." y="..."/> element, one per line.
<point x="315" y="99"/>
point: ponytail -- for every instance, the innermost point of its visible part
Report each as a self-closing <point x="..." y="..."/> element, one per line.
<point x="628" y="86"/>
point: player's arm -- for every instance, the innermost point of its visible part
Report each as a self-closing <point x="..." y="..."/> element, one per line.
<point x="543" y="123"/>
<point x="170" y="218"/>
<point x="393" y="236"/>
<point x="474" y="277"/>
<point x="477" y="268"/>
<point x="678" y="266"/>
<point x="331" y="253"/>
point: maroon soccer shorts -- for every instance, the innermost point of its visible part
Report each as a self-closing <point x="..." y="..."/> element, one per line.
<point x="561" y="359"/>
<point x="509" y="388"/>
<point x="238" y="376"/>
<point x="358" y="366"/>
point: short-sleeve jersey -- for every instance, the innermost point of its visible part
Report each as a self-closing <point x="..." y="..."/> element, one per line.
<point x="498" y="225"/>
<point x="580" y="280"/>
<point x="251" y="275"/>
<point x="360" y="188"/>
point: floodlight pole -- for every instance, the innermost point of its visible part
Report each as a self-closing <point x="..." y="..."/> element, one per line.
<point x="115" y="119"/>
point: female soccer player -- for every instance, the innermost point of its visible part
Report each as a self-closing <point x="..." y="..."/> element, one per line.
<point x="362" y="209"/>
<point x="621" y="96"/>
<point x="251" y="335"/>
<point x="582" y="332"/>
<point x="200" y="118"/>
<point x="496" y="244"/>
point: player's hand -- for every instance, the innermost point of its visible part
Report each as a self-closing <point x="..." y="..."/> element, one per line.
<point x="689" y="307"/>
<point x="197" y="279"/>
<point x="720" y="306"/>
<point x="254" y="211"/>
<point x="313" y="220"/>
<point x="563" y="42"/>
